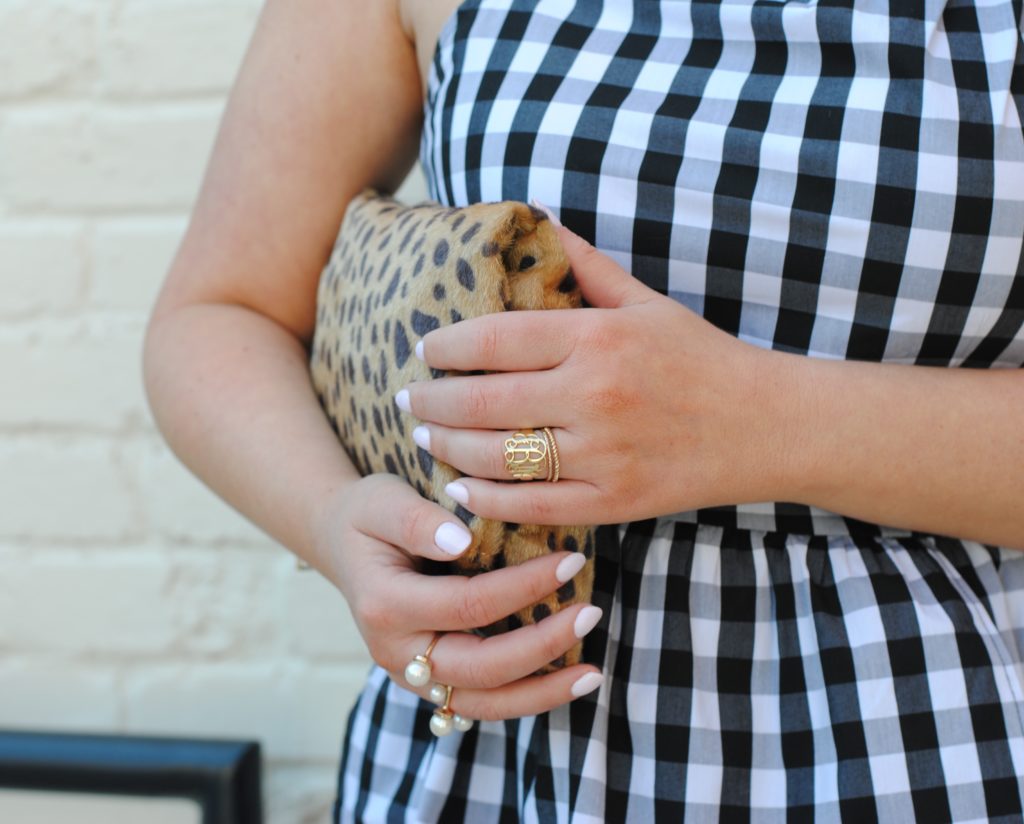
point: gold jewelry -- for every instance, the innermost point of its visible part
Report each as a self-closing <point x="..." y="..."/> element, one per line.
<point x="525" y="455"/>
<point x="444" y="721"/>
<point x="418" y="670"/>
<point x="554" y="467"/>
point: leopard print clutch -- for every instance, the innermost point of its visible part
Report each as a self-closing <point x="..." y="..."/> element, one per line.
<point x="395" y="273"/>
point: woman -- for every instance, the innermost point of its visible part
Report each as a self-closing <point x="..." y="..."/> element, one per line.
<point x="814" y="203"/>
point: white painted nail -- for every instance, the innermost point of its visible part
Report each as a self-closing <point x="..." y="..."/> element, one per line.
<point x="422" y="437"/>
<point x="454" y="539"/>
<point x="419" y="350"/>
<point x="570" y="565"/>
<point x="458" y="492"/>
<point x="551" y="215"/>
<point x="402" y="400"/>
<point x="586" y="620"/>
<point x="588" y="683"/>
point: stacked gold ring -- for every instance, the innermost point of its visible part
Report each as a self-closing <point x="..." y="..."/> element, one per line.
<point x="530" y="455"/>
<point x="554" y="467"/>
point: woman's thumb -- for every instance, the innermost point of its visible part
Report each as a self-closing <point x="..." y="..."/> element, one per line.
<point x="602" y="281"/>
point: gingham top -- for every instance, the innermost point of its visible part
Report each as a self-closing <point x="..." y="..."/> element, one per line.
<point x="833" y="179"/>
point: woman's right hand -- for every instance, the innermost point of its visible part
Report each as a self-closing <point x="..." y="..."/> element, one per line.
<point x="369" y="536"/>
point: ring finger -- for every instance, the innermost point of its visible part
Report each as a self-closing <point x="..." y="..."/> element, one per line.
<point x="466" y="660"/>
<point x="480" y="453"/>
<point x="498" y="400"/>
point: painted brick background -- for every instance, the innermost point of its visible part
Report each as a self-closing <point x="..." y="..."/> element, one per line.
<point x="131" y="598"/>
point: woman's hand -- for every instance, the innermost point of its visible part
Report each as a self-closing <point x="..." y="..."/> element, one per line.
<point x="369" y="538"/>
<point x="654" y="409"/>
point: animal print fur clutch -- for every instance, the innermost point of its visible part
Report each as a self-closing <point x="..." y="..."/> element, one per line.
<point x="396" y="272"/>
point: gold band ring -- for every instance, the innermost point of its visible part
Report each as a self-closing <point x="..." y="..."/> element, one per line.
<point x="554" y="466"/>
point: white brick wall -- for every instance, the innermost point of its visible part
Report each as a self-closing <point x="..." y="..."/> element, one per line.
<point x="131" y="598"/>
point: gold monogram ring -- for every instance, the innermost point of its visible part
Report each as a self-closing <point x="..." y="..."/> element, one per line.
<point x="530" y="455"/>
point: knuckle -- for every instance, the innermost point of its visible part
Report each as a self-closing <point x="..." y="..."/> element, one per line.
<point x="373" y="616"/>
<point x="599" y="335"/>
<point x="614" y="482"/>
<point x="487" y="342"/>
<point x="536" y="508"/>
<point x="609" y="501"/>
<point x="411" y="526"/>
<point x="496" y="459"/>
<point x="486" y="708"/>
<point x="475" y="403"/>
<point x="539" y="586"/>
<point x="380" y="658"/>
<point x="588" y="256"/>
<point x="553" y="645"/>
<point x="482" y="673"/>
<point x="474" y="608"/>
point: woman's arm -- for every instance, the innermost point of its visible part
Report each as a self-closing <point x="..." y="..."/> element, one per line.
<point x="327" y="101"/>
<point x="932" y="449"/>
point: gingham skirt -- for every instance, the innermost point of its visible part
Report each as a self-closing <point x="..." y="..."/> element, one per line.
<point x="750" y="675"/>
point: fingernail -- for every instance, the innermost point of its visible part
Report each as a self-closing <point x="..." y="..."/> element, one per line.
<point x="586" y="620"/>
<point x="419" y="350"/>
<point x="459" y="493"/>
<point x="402" y="400"/>
<point x="547" y="211"/>
<point x="588" y="683"/>
<point x="454" y="539"/>
<point x="422" y="437"/>
<point x="570" y="565"/>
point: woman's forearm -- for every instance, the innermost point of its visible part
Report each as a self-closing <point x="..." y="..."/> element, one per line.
<point x="932" y="449"/>
<point x="230" y="391"/>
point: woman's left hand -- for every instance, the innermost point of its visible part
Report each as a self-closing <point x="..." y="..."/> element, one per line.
<point x="654" y="410"/>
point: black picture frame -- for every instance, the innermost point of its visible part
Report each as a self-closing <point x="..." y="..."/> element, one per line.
<point x="223" y="777"/>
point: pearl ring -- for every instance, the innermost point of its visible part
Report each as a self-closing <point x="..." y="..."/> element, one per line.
<point x="443" y="721"/>
<point x="418" y="673"/>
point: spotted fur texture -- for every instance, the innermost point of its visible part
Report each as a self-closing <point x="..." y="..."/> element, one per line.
<point x="396" y="272"/>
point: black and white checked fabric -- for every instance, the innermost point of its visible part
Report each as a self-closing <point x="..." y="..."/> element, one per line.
<point x="834" y="179"/>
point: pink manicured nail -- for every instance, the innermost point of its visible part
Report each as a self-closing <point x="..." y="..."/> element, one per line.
<point x="419" y="350"/>
<point x="547" y="211"/>
<point x="422" y="437"/>
<point x="569" y="566"/>
<point x="454" y="539"/>
<point x="458" y="492"/>
<point x="588" y="683"/>
<point x="586" y="620"/>
<point x="402" y="400"/>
